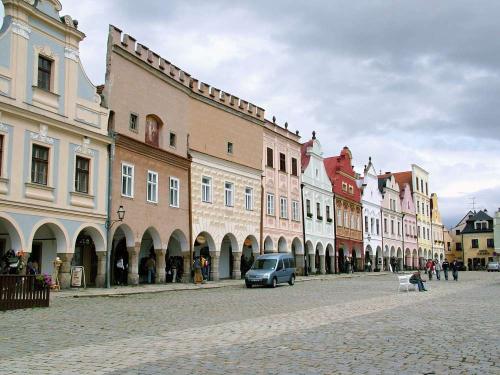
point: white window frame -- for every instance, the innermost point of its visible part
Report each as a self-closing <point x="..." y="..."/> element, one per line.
<point x="248" y="198"/>
<point x="131" y="177"/>
<point x="283" y="208"/>
<point x="154" y="186"/>
<point x="295" y="211"/>
<point x="174" y="199"/>
<point x="228" y="194"/>
<point x="206" y="188"/>
<point x="270" y="204"/>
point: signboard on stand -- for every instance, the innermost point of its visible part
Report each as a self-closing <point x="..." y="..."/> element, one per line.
<point x="78" y="277"/>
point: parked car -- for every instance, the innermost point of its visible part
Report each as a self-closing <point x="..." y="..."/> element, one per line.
<point x="493" y="266"/>
<point x="271" y="270"/>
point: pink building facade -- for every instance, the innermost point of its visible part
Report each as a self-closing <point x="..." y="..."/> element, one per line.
<point x="409" y="227"/>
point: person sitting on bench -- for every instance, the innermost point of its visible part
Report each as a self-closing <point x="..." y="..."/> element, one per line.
<point x="417" y="279"/>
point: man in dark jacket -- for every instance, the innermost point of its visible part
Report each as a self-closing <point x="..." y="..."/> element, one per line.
<point x="417" y="279"/>
<point x="454" y="270"/>
<point x="446" y="267"/>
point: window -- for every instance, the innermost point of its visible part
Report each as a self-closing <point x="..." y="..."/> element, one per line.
<point x="319" y="215"/>
<point x="295" y="211"/>
<point x="457" y="232"/>
<point x="378" y="227"/>
<point x="127" y="180"/>
<point x="229" y="194"/>
<point x="44" y="72"/>
<point x="344" y="186"/>
<point x="392" y="226"/>
<point x="152" y="187"/>
<point x="490" y="243"/>
<point x="172" y="139"/>
<point x="308" y="208"/>
<point x="248" y="199"/>
<point x="406" y="229"/>
<point x="229" y="147"/>
<point x="39" y="165"/>
<point x="399" y="228"/>
<point x="426" y="189"/>
<point x="1" y="153"/>
<point x="339" y="217"/>
<point x="372" y="225"/>
<point x="82" y="175"/>
<point x="385" y="225"/>
<point x="270" y="204"/>
<point x="133" y="122"/>
<point x="418" y="207"/>
<point x="475" y="243"/>
<point x="458" y="246"/>
<point x="206" y="189"/>
<point x="174" y="192"/>
<point x="283" y="208"/>
<point x="351" y="189"/>
<point x="328" y="214"/>
<point x="282" y="162"/>
<point x="353" y="221"/>
<point x="366" y="224"/>
<point x="270" y="162"/>
<point x="417" y="182"/>
<point x="294" y="167"/>
<point x="346" y="219"/>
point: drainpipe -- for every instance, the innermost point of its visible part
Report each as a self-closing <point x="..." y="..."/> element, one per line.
<point x="303" y="226"/>
<point x="109" y="242"/>
<point x="190" y="207"/>
<point x="261" y="214"/>
<point x="335" y="235"/>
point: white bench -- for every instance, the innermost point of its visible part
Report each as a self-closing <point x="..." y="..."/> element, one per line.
<point x="404" y="282"/>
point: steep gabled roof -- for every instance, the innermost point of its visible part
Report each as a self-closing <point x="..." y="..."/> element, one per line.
<point x="404" y="178"/>
<point x="304" y="158"/>
<point x="478" y="216"/>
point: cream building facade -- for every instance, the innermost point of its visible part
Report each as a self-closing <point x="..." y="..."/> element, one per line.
<point x="438" y="242"/>
<point x="53" y="135"/>
<point x="317" y="198"/>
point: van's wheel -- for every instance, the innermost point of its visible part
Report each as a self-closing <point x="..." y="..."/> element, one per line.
<point x="274" y="282"/>
<point x="292" y="280"/>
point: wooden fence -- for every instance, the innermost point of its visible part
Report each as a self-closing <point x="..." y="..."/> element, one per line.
<point x="21" y="292"/>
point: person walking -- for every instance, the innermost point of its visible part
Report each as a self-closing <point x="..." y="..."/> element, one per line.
<point x="446" y="267"/>
<point x="429" y="267"/>
<point x="198" y="277"/>
<point x="151" y="266"/>
<point x="120" y="270"/>
<point x="437" y="268"/>
<point x="454" y="270"/>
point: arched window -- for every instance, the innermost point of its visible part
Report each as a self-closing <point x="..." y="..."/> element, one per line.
<point x="153" y="128"/>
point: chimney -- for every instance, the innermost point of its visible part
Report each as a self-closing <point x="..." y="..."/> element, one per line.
<point x="314" y="134"/>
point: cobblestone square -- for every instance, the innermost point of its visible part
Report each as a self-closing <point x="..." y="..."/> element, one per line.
<point x="357" y="325"/>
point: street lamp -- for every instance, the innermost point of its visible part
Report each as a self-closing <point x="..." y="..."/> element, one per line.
<point x="109" y="223"/>
<point x="121" y="216"/>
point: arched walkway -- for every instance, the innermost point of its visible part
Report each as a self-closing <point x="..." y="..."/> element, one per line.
<point x="329" y="259"/>
<point x="298" y="254"/>
<point x="123" y="239"/>
<point x="90" y="253"/>
<point x="282" y="245"/>
<point x="309" y="260"/>
<point x="147" y="256"/>
<point x="177" y="260"/>
<point x="268" y="245"/>
<point x="368" y="258"/>
<point x="228" y="245"/>
<point x="204" y="246"/>
<point x="408" y="260"/>
<point x="10" y="237"/>
<point x="399" y="255"/>
<point x="249" y="251"/>
<point x="320" y="259"/>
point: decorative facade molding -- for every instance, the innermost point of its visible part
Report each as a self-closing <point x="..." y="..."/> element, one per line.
<point x="84" y="148"/>
<point x="4" y="128"/>
<point x="71" y="53"/>
<point x="21" y="28"/>
<point x="42" y="136"/>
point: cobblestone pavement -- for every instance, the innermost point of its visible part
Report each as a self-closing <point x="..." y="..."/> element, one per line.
<point x="359" y="325"/>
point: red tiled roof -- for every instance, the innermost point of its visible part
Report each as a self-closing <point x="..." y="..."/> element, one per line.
<point x="304" y="158"/>
<point x="403" y="178"/>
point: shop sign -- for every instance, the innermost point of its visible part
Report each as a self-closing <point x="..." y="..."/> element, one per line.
<point x="78" y="276"/>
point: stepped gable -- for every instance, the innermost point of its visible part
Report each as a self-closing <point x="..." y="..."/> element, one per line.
<point x="129" y="44"/>
<point x="337" y="167"/>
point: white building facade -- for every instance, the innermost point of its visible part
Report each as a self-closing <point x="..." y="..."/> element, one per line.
<point x="317" y="199"/>
<point x="371" y="199"/>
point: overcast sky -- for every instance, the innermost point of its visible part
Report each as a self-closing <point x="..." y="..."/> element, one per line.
<point x="402" y="81"/>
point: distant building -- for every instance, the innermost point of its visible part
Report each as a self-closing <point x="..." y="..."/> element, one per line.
<point x="496" y="231"/>
<point x="409" y="226"/>
<point x="348" y="213"/>
<point x="477" y="240"/>
<point x="437" y="246"/>
<point x="371" y="199"/>
<point x="456" y="249"/>
<point x="318" y="209"/>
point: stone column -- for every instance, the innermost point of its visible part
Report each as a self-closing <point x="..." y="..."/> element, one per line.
<point x="65" y="270"/>
<point x="312" y="263"/>
<point x="372" y="261"/>
<point x="133" y="265"/>
<point x="214" y="266"/>
<point x="322" y="268"/>
<point x="160" y="266"/>
<point x="101" y="269"/>
<point x="299" y="264"/>
<point x="332" y="264"/>
<point x="236" y="266"/>
<point x="186" y="276"/>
